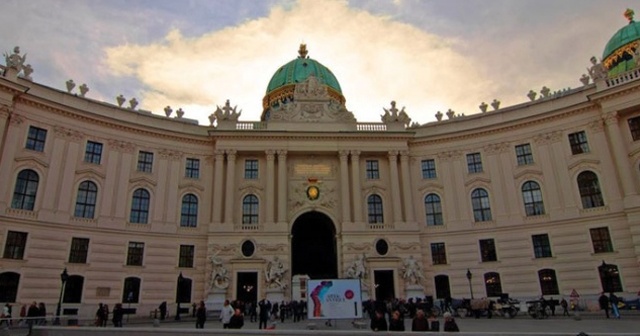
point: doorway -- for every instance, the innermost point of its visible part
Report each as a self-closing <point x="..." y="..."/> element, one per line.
<point x="313" y="246"/>
<point x="247" y="286"/>
<point x="383" y="280"/>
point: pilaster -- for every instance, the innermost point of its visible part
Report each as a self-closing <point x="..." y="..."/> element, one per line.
<point x="230" y="194"/>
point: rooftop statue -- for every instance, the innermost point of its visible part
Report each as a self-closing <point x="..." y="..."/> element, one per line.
<point x="392" y="115"/>
<point x="15" y="60"/>
<point x="227" y="113"/>
<point x="636" y="55"/>
<point x="597" y="70"/>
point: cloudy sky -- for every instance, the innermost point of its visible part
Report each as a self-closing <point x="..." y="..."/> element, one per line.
<point x="427" y="55"/>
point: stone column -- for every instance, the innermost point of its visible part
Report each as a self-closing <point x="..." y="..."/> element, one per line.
<point x="357" y="192"/>
<point x="619" y="154"/>
<point x="406" y="187"/>
<point x="282" y="186"/>
<point x="271" y="176"/>
<point x="395" y="186"/>
<point x="230" y="192"/>
<point x="344" y="185"/>
<point x="217" y="185"/>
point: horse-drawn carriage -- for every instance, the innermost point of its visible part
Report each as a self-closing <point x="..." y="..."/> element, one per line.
<point x="504" y="306"/>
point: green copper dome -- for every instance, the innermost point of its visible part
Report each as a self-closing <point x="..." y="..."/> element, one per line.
<point x="282" y="84"/>
<point x="618" y="53"/>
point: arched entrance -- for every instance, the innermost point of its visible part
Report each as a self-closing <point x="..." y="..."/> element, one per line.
<point x="313" y="246"/>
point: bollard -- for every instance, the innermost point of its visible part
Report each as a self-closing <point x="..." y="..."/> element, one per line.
<point x="156" y="322"/>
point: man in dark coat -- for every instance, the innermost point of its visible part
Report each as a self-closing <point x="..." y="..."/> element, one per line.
<point x="237" y="320"/>
<point x="603" y="300"/>
<point x="378" y="322"/>
<point x="201" y="315"/>
<point x="265" y="310"/>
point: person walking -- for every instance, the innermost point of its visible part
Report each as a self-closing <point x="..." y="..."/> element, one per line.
<point x="613" y="299"/>
<point x="237" y="320"/>
<point x="201" y="315"/>
<point x="450" y="324"/>
<point x="265" y="310"/>
<point x="565" y="307"/>
<point x="552" y="306"/>
<point x="225" y="314"/>
<point x="117" y="315"/>
<point x="603" y="301"/>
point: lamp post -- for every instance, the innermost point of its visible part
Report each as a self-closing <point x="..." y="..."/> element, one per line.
<point x="469" y="276"/>
<point x="605" y="269"/>
<point x="63" y="278"/>
<point x="178" y="296"/>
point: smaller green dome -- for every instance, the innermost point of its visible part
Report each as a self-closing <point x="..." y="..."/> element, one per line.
<point x="618" y="53"/>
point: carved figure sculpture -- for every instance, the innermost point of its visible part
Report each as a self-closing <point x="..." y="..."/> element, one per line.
<point x="597" y="70"/>
<point x="275" y="273"/>
<point x="412" y="272"/>
<point x="219" y="274"/>
<point x="15" y="60"/>
<point x="357" y="269"/>
<point x="636" y="56"/>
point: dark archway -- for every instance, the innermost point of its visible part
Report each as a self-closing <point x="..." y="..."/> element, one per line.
<point x="313" y="246"/>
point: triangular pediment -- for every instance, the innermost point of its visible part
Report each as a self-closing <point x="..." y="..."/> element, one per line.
<point x="38" y="161"/>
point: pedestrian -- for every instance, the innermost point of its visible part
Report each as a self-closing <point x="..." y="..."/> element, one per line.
<point x="237" y="320"/>
<point x="32" y="315"/>
<point x="105" y="315"/>
<point x="265" y="310"/>
<point x="565" y="307"/>
<point x="434" y="324"/>
<point x="420" y="322"/>
<point x="201" y="315"/>
<point x="552" y="306"/>
<point x="42" y="309"/>
<point x="613" y="299"/>
<point x="163" y="310"/>
<point x="396" y="323"/>
<point x="225" y="314"/>
<point x="6" y="315"/>
<point x="253" y="311"/>
<point x="117" y="315"/>
<point x="603" y="300"/>
<point x="378" y="322"/>
<point x="450" y="324"/>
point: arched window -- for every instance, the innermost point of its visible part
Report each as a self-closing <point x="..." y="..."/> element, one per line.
<point x="443" y="290"/>
<point x="24" y="194"/>
<point x="9" y="282"/>
<point x="131" y="290"/>
<point x="548" y="282"/>
<point x="532" y="197"/>
<point x="481" y="206"/>
<point x="250" y="208"/>
<point x="433" y="210"/>
<point x="140" y="207"/>
<point x="590" y="190"/>
<point x="189" y="214"/>
<point x="374" y="204"/>
<point x="492" y="284"/>
<point x="86" y="200"/>
<point x="73" y="289"/>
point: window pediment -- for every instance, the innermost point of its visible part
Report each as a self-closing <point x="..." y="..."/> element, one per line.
<point x="142" y="179"/>
<point x="190" y="185"/>
<point x="32" y="158"/>
<point x="583" y="162"/>
<point x="527" y="171"/>
<point x="478" y="180"/>
<point x="91" y="172"/>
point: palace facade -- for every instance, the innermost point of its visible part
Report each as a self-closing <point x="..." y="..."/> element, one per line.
<point x="540" y="198"/>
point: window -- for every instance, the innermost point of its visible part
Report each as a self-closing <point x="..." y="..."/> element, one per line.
<point x="248" y="248"/>
<point x="492" y="284"/>
<point x="251" y="169"/>
<point x="589" y="188"/>
<point x="433" y="210"/>
<point x="548" y="282"/>
<point x="250" y="207"/>
<point x="373" y="170"/>
<point x="93" y="152"/>
<point x="382" y="247"/>
<point x="578" y="142"/>
<point x="86" y="200"/>
<point x="24" y="194"/>
<point x="488" y="250"/>
<point x="443" y="290"/>
<point x="145" y="162"/>
<point x="192" y="169"/>
<point x="189" y="214"/>
<point x="9" y="282"/>
<point x="438" y="254"/>
<point x="374" y="205"/>
<point x="532" y="197"/>
<point x="186" y="256"/>
<point x="183" y="290"/>
<point x="429" y="169"/>
<point x="79" y="250"/>
<point x="634" y="128"/>
<point x="524" y="155"/>
<point x="601" y="240"/>
<point x="135" y="254"/>
<point x="15" y="245"/>
<point x="610" y="278"/>
<point x="36" y="138"/>
<point x="139" y="207"/>
<point x="541" y="246"/>
<point x="73" y="289"/>
<point x="481" y="206"/>
<point x="474" y="163"/>
<point x="131" y="290"/>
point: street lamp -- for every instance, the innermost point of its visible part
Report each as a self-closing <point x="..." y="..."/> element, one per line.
<point x="63" y="278"/>
<point x="179" y="296"/>
<point x="469" y="276"/>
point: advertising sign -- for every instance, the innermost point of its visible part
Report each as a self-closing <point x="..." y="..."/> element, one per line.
<point x="334" y="299"/>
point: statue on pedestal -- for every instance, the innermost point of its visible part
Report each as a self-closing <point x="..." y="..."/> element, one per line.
<point x="412" y="271"/>
<point x="220" y="278"/>
<point x="597" y="70"/>
<point x="15" y="60"/>
<point x="275" y="274"/>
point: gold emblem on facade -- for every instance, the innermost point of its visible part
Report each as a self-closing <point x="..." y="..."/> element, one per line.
<point x="313" y="193"/>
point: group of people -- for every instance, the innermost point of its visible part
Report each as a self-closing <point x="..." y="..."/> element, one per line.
<point x="34" y="314"/>
<point x="102" y="315"/>
<point x="419" y="322"/>
<point x="231" y="318"/>
<point x="612" y="300"/>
